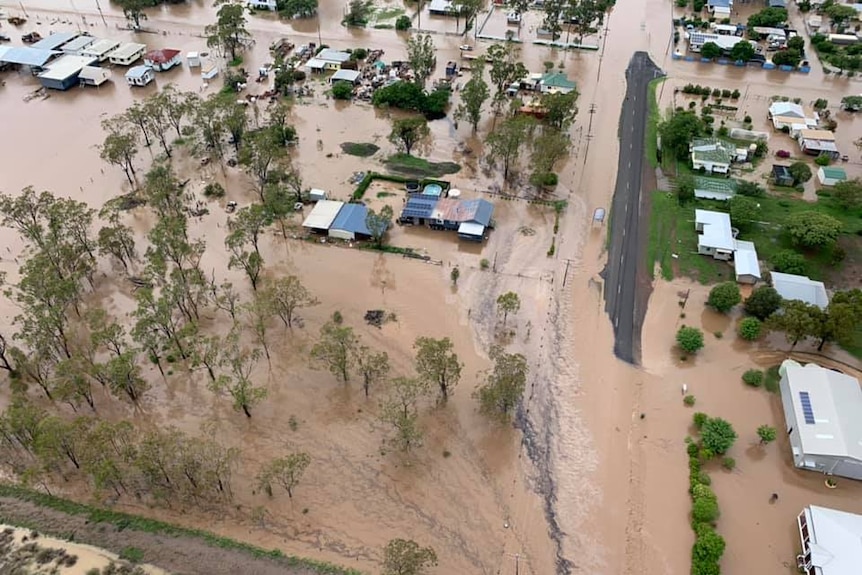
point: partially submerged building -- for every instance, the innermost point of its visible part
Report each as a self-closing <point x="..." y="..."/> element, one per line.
<point x="823" y="416"/>
<point x="34" y="58"/>
<point x="556" y="82"/>
<point x="101" y="49"/>
<point x="93" y="76"/>
<point x="327" y="59"/>
<point x="792" y="116"/>
<point x="322" y="216"/>
<point x="140" y="76"/>
<point x="63" y="72"/>
<point x="127" y="54"/>
<point x="717" y="238"/>
<point x="831" y="175"/>
<point x="818" y="143"/>
<point x="74" y="47"/>
<point x="55" y="41"/>
<point x="350" y="223"/>
<point x="802" y="288"/>
<point x="163" y="60"/>
<point x="831" y="542"/>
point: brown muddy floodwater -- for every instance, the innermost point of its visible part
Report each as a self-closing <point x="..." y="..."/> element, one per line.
<point x="588" y="486"/>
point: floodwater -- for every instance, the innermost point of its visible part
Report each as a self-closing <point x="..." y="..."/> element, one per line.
<point x="590" y="486"/>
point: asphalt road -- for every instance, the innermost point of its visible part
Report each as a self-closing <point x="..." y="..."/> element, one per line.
<point x="627" y="224"/>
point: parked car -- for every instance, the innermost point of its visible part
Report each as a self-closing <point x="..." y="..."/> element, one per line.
<point x="782" y="154"/>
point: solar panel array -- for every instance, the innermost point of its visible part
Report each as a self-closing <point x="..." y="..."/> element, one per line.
<point x="807" y="411"/>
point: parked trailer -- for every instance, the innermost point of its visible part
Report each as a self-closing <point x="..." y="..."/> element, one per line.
<point x="843" y="39"/>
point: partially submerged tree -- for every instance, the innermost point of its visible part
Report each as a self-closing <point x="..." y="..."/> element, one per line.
<point x="438" y="364"/>
<point x="400" y="410"/>
<point x="288" y="295"/>
<point x="229" y="34"/>
<point x="237" y="382"/>
<point x="120" y="147"/>
<point x="506" y="142"/>
<point x="284" y="471"/>
<point x="724" y="296"/>
<point x="407" y="133"/>
<point x="378" y="223"/>
<point x="507" y="303"/>
<point x="406" y="557"/>
<point x="372" y="366"/>
<point x="422" y="57"/>
<point x="336" y="349"/>
<point x="473" y="96"/>
<point x="500" y="394"/>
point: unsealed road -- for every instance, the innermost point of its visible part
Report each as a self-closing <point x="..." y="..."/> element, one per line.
<point x="624" y="257"/>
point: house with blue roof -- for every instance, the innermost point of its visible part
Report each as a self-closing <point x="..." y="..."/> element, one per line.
<point x="720" y="8"/>
<point x="350" y="223"/>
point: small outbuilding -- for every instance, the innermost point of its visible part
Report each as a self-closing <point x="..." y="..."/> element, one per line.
<point x="193" y="59"/>
<point x="351" y="76"/>
<point x="745" y="263"/>
<point x="823" y="416"/>
<point x="802" y="288"/>
<point x="442" y="8"/>
<point x="140" y="76"/>
<point x="322" y="216"/>
<point x="350" y="223"/>
<point x="316" y="194"/>
<point x="831" y="541"/>
<point x="831" y="175"/>
<point x="781" y="175"/>
<point x="127" y="54"/>
<point x="93" y="75"/>
<point x="270" y="5"/>
<point x="164" y="59"/>
<point x="100" y="49"/>
<point x="329" y="58"/>
<point x="63" y="73"/>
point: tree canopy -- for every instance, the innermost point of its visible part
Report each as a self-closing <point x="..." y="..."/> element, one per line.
<point x="724" y="296"/>
<point x="812" y="229"/>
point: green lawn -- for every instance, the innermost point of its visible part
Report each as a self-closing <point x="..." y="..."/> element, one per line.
<point x="652" y="123"/>
<point x="420" y="167"/>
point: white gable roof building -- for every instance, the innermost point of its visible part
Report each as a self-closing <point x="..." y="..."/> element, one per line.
<point x="831" y="541"/>
<point x="790" y="287"/>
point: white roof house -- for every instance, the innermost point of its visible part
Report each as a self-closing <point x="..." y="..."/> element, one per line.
<point x="802" y="288"/>
<point x="94" y="75"/>
<point x="322" y="215"/>
<point x="715" y="235"/>
<point x="789" y="114"/>
<point x="351" y="76"/>
<point x="100" y="49"/>
<point x="745" y="262"/>
<point x="831" y="541"/>
<point x="823" y="415"/>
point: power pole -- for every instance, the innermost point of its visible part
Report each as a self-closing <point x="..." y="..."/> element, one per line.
<point x="99" y="8"/>
<point x="517" y="558"/>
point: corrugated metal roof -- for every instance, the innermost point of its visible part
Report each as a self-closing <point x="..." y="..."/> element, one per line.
<point x="55" y="40"/>
<point x="27" y="56"/>
<point x="78" y="44"/>
<point x="451" y="210"/>
<point x="66" y="66"/>
<point x="351" y="218"/>
<point x="745" y="260"/>
<point x="802" y="288"/>
<point x="127" y="50"/>
<point x="162" y="56"/>
<point x="835" y="541"/>
<point x="323" y="214"/>
<point x="419" y="206"/>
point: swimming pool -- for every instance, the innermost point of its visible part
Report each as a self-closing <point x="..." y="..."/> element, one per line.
<point x="433" y="190"/>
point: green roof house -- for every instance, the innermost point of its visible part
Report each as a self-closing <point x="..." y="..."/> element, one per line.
<point x="712" y="154"/>
<point x="831" y="175"/>
<point x="556" y="82"/>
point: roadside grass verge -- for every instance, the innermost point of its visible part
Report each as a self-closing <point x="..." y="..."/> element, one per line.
<point x="360" y="149"/>
<point x="653" y="119"/>
<point x="420" y="167"/>
<point x="123" y="521"/>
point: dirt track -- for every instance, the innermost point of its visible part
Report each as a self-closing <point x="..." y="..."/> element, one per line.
<point x="179" y="555"/>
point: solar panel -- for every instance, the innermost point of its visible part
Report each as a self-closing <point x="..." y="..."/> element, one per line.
<point x="807" y="411"/>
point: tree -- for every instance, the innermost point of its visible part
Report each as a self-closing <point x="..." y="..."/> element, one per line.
<point x="560" y="109"/>
<point x="237" y="382"/>
<point x="707" y="551"/>
<point x="839" y="321"/>
<point x="473" y="96"/>
<point x="763" y="302"/>
<point x="407" y="132"/>
<point x="724" y="296"/>
<point x="678" y="131"/>
<point x="258" y="312"/>
<point x="840" y="13"/>
<point x="552" y="21"/>
<point x="378" y="223"/>
<point x="437" y="364"/>
<point x="245" y="230"/>
<point x="297" y="8"/>
<point x="798" y="320"/>
<point x="766" y="433"/>
<point x="787" y="58"/>
<point x="798" y="43"/>
<point x="120" y="148"/>
<point x="750" y="189"/>
<point x="422" y="57"/>
<point x="505" y="143"/>
<point x="133" y="10"/>
<point x="704" y="508"/>
<point x="177" y="105"/>
<point x="789" y="262"/>
<point x="229" y="33"/>
<point x="358" y="12"/>
<point x="117" y="240"/>
<point x="285" y="471"/>
<point x="768" y="17"/>
<point x="685" y="185"/>
<point x="506" y="67"/>
<point x="342" y="90"/>
<point x="399" y="409"/>
<point x="812" y="229"/>
<point x="288" y="295"/>
<point x="689" y="339"/>
<point x="372" y="366"/>
<point x="743" y="211"/>
<point x="124" y="377"/>
<point x="750" y="328"/>
<point x="454" y="275"/>
<point x="504" y="386"/>
<point x="548" y="148"/>
<point x="717" y="435"/>
<point x="507" y="303"/>
<point x="800" y="171"/>
<point x="336" y="349"/>
<point x="406" y="557"/>
<point x="742" y="51"/>
<point x="261" y="151"/>
<point x="852" y="103"/>
<point x="848" y="194"/>
<point x="711" y="50"/>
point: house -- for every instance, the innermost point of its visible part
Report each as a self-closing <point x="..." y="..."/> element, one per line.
<point x="721" y="189"/>
<point x="351" y="76"/>
<point x="418" y="209"/>
<point x="696" y="40"/>
<point x="164" y="59"/>
<point x="270" y="5"/>
<point x="63" y="72"/>
<point x="802" y="288"/>
<point x="781" y="175"/>
<point x="74" y="47"/>
<point x="719" y="8"/>
<point x="556" y="82"/>
<point x="787" y="115"/>
<point x="818" y="143"/>
<point x="350" y="223"/>
<point x="831" y="541"/>
<point x="126" y="54"/>
<point x="469" y="217"/>
<point x="442" y="8"/>
<point x="715" y="235"/>
<point x="777" y="4"/>
<point x="831" y="175"/>
<point x="100" y="49"/>
<point x="93" y="76"/>
<point x="55" y="41"/>
<point x="140" y="76"/>
<point x="712" y="155"/>
<point x="34" y="58"/>
<point x="327" y="59"/>
<point x="745" y="263"/>
<point x="823" y="418"/>
<point x="322" y="216"/>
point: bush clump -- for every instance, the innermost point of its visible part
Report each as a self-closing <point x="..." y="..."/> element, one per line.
<point x="214" y="190"/>
<point x="403" y="23"/>
<point x="724" y="296"/>
<point x="750" y="329"/>
<point x="689" y="339"/>
<point x="753" y="377"/>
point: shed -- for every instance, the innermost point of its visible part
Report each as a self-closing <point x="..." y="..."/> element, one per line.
<point x="418" y="209"/>
<point x="140" y="76"/>
<point x="315" y="64"/>
<point x="332" y="59"/>
<point x="823" y="417"/>
<point x="100" y="49"/>
<point x="126" y="54"/>
<point x="193" y="59"/>
<point x="831" y="541"/>
<point x="164" y="59"/>
<point x="55" y="40"/>
<point x="831" y="175"/>
<point x="322" y="216"/>
<point x="781" y="175"/>
<point x="75" y="46"/>
<point x="350" y="223"/>
<point x="442" y="8"/>
<point x="351" y="76"/>
<point x="802" y="288"/>
<point x="270" y="5"/>
<point x="63" y="73"/>
<point x="471" y="231"/>
<point x="745" y="263"/>
<point x="26" y="56"/>
<point x="93" y="76"/>
<point x="315" y="194"/>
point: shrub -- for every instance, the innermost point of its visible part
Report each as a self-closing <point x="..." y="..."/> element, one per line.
<point x="728" y="463"/>
<point x="403" y="22"/>
<point x="707" y="551"/>
<point x="766" y="433"/>
<point x="724" y="296"/>
<point x="689" y="339"/>
<point x="747" y="119"/>
<point x="342" y="91"/>
<point x="717" y="435"/>
<point x="214" y="190"/>
<point x="753" y="377"/>
<point x="704" y="509"/>
<point x="750" y="189"/>
<point x="772" y="379"/>
<point x="359" y="54"/>
<point x="789" y="262"/>
<point x="750" y="328"/>
<point x="484" y="264"/>
<point x="692" y="449"/>
<point x="689" y="400"/>
<point x="703" y="478"/>
<point x="763" y="302"/>
<point x="699" y="418"/>
<point x="735" y="96"/>
<point x="823" y="160"/>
